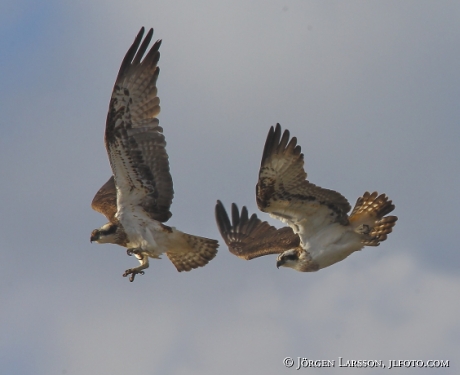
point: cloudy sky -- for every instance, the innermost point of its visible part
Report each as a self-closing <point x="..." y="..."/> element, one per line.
<point x="371" y="91"/>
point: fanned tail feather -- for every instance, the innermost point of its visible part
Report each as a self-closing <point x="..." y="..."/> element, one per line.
<point x="368" y="218"/>
<point x="197" y="253"/>
<point x="380" y="231"/>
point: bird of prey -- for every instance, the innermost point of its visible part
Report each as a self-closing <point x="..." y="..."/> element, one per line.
<point x="320" y="232"/>
<point x="137" y="198"/>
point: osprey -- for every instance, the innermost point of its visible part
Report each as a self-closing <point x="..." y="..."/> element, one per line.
<point x="320" y="232"/>
<point x="137" y="198"/>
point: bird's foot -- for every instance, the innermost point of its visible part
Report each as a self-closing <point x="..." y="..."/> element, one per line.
<point x="143" y="259"/>
<point x="132" y="272"/>
<point x="363" y="229"/>
<point x="133" y="251"/>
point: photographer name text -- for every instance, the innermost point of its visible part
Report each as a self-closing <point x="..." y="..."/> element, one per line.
<point x="301" y="362"/>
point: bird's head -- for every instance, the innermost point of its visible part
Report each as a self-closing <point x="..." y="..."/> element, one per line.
<point x="105" y="234"/>
<point x="289" y="258"/>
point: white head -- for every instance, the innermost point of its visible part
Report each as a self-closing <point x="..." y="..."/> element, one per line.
<point x="108" y="233"/>
<point x="297" y="259"/>
<point x="288" y="258"/>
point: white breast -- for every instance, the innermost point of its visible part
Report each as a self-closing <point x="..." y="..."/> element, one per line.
<point x="332" y="244"/>
<point x="142" y="231"/>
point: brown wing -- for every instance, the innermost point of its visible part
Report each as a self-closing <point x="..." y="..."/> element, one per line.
<point x="105" y="200"/>
<point x="284" y="192"/>
<point x="249" y="238"/>
<point x="134" y="140"/>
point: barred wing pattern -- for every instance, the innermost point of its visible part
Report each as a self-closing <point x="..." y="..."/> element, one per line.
<point x="284" y="192"/>
<point x="249" y="238"/>
<point x="134" y="140"/>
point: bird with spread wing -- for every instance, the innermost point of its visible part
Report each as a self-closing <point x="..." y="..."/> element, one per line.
<point x="320" y="232"/>
<point x="137" y="198"/>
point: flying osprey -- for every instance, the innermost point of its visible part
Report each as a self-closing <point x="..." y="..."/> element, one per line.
<point x="320" y="232"/>
<point x="137" y="198"/>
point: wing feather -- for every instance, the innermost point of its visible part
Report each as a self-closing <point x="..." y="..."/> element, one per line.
<point x="249" y="238"/>
<point x="284" y="192"/>
<point x="105" y="200"/>
<point x="134" y="140"/>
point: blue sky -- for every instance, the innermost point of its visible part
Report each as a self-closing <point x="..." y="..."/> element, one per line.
<point x="371" y="91"/>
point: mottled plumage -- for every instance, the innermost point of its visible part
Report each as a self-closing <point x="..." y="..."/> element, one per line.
<point x="137" y="198"/>
<point x="320" y="232"/>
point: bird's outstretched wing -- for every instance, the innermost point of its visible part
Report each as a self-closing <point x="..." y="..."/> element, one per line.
<point x="105" y="200"/>
<point x="249" y="238"/>
<point x="284" y="192"/>
<point x="134" y="140"/>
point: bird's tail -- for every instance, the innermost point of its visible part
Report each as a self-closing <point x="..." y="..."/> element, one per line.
<point x="368" y="218"/>
<point x="192" y="251"/>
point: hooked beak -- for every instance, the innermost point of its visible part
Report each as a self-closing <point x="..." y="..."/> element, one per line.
<point x="94" y="236"/>
<point x="279" y="263"/>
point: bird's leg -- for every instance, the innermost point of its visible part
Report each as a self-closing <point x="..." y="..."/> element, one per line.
<point x="363" y="229"/>
<point x="144" y="260"/>
<point x="133" y="250"/>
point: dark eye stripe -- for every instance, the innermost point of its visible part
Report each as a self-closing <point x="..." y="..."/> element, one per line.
<point x="112" y="229"/>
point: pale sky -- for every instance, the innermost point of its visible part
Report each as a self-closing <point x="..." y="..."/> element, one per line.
<point x="371" y="91"/>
